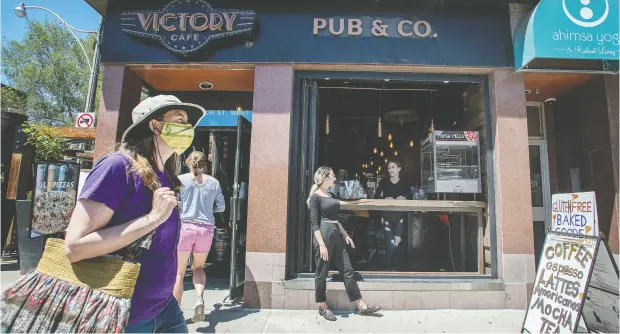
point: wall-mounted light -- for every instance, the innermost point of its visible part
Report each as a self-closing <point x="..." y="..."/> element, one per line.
<point x="411" y="144"/>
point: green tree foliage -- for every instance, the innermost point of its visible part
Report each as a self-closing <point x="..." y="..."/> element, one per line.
<point x="49" y="67"/>
<point x="48" y="143"/>
<point x="12" y="100"/>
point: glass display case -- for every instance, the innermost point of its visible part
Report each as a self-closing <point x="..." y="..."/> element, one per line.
<point x="450" y="162"/>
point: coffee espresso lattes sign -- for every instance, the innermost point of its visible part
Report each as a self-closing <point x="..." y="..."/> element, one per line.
<point x="186" y="26"/>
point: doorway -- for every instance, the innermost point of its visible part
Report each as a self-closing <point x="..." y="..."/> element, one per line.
<point x="539" y="175"/>
<point x="224" y="136"/>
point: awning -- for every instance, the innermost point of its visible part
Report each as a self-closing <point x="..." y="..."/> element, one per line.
<point x="569" y="36"/>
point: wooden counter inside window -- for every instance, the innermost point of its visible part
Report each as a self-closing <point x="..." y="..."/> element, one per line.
<point x="409" y="205"/>
<point x="460" y="207"/>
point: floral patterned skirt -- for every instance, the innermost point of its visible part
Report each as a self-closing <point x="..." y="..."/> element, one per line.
<point x="84" y="297"/>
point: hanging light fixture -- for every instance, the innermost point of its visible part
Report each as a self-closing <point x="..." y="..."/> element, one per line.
<point x="372" y="163"/>
<point x="395" y="153"/>
<point x="375" y="150"/>
<point x="363" y="165"/>
<point x="381" y="153"/>
<point x="379" y="168"/>
<point x="391" y="145"/>
<point x="327" y="125"/>
<point x="411" y="143"/>
<point x="385" y="160"/>
<point x="390" y="136"/>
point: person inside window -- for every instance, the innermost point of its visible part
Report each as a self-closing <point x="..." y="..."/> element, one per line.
<point x="393" y="222"/>
<point x="330" y="240"/>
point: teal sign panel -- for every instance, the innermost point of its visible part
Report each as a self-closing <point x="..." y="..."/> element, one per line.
<point x="568" y="29"/>
<point x="224" y="118"/>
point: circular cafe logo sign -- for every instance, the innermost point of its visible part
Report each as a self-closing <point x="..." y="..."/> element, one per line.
<point x="186" y="26"/>
<point x="586" y="13"/>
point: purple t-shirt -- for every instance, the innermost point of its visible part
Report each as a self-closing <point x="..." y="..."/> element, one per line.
<point x="111" y="184"/>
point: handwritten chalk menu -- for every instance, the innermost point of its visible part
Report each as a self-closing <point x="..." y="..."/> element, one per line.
<point x="560" y="285"/>
<point x="600" y="309"/>
<point x="574" y="213"/>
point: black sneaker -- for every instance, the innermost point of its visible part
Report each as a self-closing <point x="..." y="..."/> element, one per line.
<point x="327" y="314"/>
<point x="369" y="310"/>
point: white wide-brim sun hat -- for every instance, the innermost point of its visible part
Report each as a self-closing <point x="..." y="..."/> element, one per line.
<point x="153" y="107"/>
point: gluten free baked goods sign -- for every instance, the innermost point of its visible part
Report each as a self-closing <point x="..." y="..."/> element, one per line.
<point x="574" y="213"/>
<point x="560" y="285"/>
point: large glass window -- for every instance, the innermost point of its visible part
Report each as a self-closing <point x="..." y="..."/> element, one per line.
<point x="434" y="131"/>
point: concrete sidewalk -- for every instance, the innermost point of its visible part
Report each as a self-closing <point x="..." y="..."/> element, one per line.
<point x="224" y="317"/>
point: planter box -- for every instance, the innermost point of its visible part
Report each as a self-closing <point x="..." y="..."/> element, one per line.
<point x="30" y="250"/>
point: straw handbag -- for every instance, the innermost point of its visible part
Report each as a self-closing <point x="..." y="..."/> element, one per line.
<point x="89" y="296"/>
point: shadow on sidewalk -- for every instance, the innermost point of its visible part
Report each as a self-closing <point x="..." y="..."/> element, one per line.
<point x="231" y="312"/>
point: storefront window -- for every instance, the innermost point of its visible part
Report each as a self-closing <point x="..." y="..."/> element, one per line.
<point x="434" y="134"/>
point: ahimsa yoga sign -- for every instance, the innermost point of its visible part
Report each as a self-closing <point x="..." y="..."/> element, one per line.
<point x="185" y="26"/>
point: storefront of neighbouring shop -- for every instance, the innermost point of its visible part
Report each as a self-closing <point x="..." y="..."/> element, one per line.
<point x="353" y="85"/>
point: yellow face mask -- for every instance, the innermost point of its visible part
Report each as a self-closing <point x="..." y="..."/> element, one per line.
<point x="178" y="136"/>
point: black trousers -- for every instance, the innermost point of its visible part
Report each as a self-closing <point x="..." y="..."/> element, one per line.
<point x="390" y="230"/>
<point x="337" y="252"/>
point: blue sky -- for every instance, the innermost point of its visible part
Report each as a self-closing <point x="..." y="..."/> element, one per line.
<point x="75" y="12"/>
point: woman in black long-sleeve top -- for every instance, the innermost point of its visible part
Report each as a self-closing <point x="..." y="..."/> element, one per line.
<point x="392" y="222"/>
<point x="329" y="244"/>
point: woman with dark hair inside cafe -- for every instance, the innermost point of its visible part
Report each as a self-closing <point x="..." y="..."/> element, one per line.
<point x="330" y="244"/>
<point x="393" y="222"/>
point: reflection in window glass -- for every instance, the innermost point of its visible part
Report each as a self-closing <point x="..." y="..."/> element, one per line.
<point x="536" y="176"/>
<point x="534" y="125"/>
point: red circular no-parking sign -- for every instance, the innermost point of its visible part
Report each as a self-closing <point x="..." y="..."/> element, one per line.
<point x="85" y="120"/>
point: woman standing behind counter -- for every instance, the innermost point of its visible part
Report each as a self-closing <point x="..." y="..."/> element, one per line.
<point x="392" y="221"/>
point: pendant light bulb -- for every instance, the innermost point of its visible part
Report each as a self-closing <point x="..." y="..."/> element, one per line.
<point x="379" y="168"/>
<point x="395" y="153"/>
<point x="391" y="145"/>
<point x="381" y="153"/>
<point x="327" y="125"/>
<point x="390" y="136"/>
<point x="385" y="160"/>
<point x="375" y="150"/>
<point x="411" y="143"/>
<point x="372" y="163"/>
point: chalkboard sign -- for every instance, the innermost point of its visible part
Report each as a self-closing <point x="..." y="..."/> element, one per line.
<point x="561" y="283"/>
<point x="577" y="278"/>
<point x="600" y="309"/>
